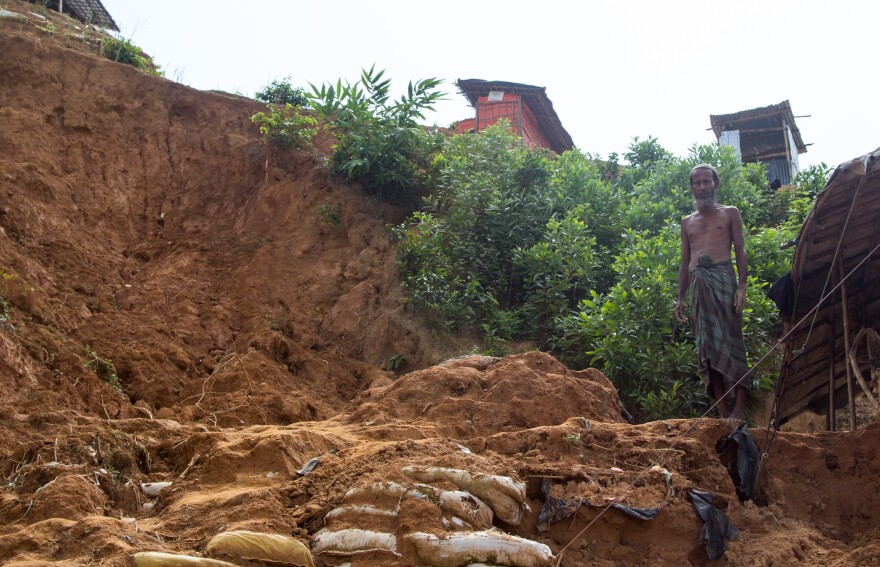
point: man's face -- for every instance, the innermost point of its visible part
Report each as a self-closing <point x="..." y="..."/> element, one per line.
<point x="703" y="187"/>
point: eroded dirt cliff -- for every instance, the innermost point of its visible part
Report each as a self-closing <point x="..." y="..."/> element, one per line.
<point x="147" y="224"/>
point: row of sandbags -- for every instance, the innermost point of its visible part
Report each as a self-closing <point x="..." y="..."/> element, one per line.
<point x="467" y="515"/>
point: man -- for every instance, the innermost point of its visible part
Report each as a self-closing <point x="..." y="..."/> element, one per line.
<point x="717" y="297"/>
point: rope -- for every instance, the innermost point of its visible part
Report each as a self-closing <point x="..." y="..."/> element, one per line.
<point x="697" y="421"/>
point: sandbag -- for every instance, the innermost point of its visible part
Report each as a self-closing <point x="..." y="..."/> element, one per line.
<point x="357" y="510"/>
<point x="352" y="541"/>
<point x="455" y="502"/>
<point x="273" y="548"/>
<point x="375" y="490"/>
<point x="458" y="549"/>
<point x="160" y="559"/>
<point x="504" y="495"/>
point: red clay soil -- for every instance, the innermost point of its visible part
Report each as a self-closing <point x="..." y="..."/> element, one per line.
<point x="146" y="224"/>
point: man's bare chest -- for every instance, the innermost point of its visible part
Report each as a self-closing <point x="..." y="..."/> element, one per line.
<point x="708" y="229"/>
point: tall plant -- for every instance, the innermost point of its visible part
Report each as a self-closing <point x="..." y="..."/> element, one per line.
<point x="380" y="142"/>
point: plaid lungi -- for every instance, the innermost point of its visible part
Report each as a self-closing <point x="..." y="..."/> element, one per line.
<point x="717" y="325"/>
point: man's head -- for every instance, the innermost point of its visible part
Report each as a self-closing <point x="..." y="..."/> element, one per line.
<point x="704" y="182"/>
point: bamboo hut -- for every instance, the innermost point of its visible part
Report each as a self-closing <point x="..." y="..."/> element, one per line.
<point x="832" y="349"/>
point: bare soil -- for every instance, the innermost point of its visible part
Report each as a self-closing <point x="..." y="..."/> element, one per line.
<point x="146" y="225"/>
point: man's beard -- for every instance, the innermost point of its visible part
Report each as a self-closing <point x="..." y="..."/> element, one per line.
<point x="705" y="204"/>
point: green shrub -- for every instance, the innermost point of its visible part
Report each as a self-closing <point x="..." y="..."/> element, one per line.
<point x="380" y="143"/>
<point x="282" y="93"/>
<point x="104" y="368"/>
<point x="630" y="332"/>
<point x="124" y="51"/>
<point x="330" y="213"/>
<point x="287" y="126"/>
<point x="582" y="257"/>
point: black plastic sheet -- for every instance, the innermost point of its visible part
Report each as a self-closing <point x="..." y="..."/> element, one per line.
<point x="716" y="529"/>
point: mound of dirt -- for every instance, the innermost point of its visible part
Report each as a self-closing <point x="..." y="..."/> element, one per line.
<point x="188" y="348"/>
<point x="478" y="396"/>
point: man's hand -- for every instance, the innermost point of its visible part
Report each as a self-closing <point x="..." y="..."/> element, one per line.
<point x="739" y="298"/>
<point x="679" y="312"/>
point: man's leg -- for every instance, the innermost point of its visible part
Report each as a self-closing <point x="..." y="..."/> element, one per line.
<point x="716" y="388"/>
<point x="739" y="405"/>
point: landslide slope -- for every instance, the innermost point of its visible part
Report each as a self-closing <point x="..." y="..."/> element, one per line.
<point x="146" y="224"/>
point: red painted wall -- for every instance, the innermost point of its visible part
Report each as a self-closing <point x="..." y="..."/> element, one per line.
<point x="491" y="112"/>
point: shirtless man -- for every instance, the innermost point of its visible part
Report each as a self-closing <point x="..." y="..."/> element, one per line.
<point x="717" y="297"/>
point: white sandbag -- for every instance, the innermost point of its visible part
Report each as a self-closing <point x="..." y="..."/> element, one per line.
<point x="504" y="495"/>
<point x="350" y="510"/>
<point x="258" y="546"/>
<point x="375" y="490"/>
<point x="160" y="559"/>
<point x="479" y="547"/>
<point x="152" y="489"/>
<point x="352" y="541"/>
<point x="7" y="15"/>
<point x="460" y="503"/>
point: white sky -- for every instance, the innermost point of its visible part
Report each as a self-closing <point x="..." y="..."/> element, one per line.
<point x="613" y="69"/>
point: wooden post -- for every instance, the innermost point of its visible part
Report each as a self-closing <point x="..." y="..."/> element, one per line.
<point x="849" y="378"/>
<point x="519" y="120"/>
<point x="830" y="423"/>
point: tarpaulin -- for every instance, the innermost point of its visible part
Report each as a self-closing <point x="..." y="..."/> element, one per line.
<point x="716" y="527"/>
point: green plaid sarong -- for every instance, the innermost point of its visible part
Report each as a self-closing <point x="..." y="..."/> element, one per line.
<point x="717" y="325"/>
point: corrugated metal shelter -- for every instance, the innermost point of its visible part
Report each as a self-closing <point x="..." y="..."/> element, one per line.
<point x="767" y="134"/>
<point x="87" y="11"/>
<point x="834" y="347"/>
<point x="527" y="107"/>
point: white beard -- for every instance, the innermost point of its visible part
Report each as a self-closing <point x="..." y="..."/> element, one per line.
<point x="705" y="204"/>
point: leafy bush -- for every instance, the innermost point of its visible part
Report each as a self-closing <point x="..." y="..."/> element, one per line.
<point x="124" y="51"/>
<point x="104" y="368"/>
<point x="630" y="332"/>
<point x="582" y="257"/>
<point x="287" y="126"/>
<point x="283" y="93"/>
<point x="330" y="213"/>
<point x="380" y="142"/>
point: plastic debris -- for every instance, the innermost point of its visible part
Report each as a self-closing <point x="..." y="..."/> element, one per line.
<point x="309" y="467"/>
<point x="716" y="527"/>
<point x="748" y="460"/>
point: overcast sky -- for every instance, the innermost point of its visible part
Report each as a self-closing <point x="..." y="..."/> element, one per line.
<point x="613" y="69"/>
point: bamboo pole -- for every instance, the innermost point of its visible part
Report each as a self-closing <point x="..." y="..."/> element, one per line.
<point x="849" y="378"/>
<point x="830" y="423"/>
<point x="853" y="361"/>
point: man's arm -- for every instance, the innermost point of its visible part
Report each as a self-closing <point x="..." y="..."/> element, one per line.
<point x="742" y="259"/>
<point x="683" y="281"/>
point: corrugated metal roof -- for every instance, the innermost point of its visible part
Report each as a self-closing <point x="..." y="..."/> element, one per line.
<point x="90" y="12"/>
<point x="761" y="130"/>
<point x="840" y="235"/>
<point x="535" y="97"/>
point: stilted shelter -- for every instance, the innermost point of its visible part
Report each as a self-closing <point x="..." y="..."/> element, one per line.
<point x="767" y="135"/>
<point x="833" y="349"/>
